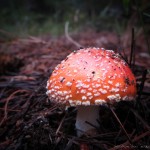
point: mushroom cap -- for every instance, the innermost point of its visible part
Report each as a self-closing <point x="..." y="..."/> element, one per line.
<point x="91" y="76"/>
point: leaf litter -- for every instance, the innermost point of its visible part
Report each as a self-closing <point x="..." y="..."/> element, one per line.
<point x="29" y="120"/>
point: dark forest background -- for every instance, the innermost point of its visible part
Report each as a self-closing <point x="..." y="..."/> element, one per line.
<point x="35" y="36"/>
<point x="36" y="17"/>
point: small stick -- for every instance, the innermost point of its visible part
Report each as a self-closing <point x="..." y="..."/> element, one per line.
<point x="17" y="110"/>
<point x="91" y="125"/>
<point x="60" y="125"/>
<point x="6" y="105"/>
<point x="142" y="84"/>
<point x="120" y="124"/>
<point x="132" y="47"/>
<point x="135" y="139"/>
<point x="69" y="144"/>
<point x="140" y="118"/>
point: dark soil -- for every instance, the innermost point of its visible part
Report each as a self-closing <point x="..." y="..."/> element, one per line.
<point x="29" y="120"/>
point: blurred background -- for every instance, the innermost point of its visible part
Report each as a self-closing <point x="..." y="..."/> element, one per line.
<point x="35" y="36"/>
<point x="37" y="17"/>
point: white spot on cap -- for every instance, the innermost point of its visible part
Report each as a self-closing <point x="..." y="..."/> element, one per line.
<point x="78" y="102"/>
<point x="83" y="91"/>
<point x="106" y="86"/>
<point x="90" y="97"/>
<point x="100" y="102"/>
<point x="86" y="103"/>
<point x="103" y="91"/>
<point x="127" y="98"/>
<point x="68" y="84"/>
<point x="88" y="80"/>
<point x="52" y="90"/>
<point x="53" y="95"/>
<point x="115" y="97"/>
<point x="67" y="97"/>
<point x="60" y="93"/>
<point x="47" y="85"/>
<point x="114" y="90"/>
<point x="56" y="87"/>
<point x="97" y="94"/>
<point x="97" y="85"/>
<point x="72" y="103"/>
<point x="110" y="82"/>
<point x="85" y="86"/>
<point x="117" y="84"/>
<point x="89" y="94"/>
<point x="90" y="89"/>
<point x="61" y="78"/>
<point x="95" y="90"/>
<point x="84" y="97"/>
<point x="79" y="84"/>
<point x="48" y="92"/>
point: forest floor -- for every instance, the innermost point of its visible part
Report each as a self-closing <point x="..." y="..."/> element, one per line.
<point x="28" y="120"/>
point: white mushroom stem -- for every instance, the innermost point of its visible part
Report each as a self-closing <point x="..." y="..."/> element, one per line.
<point x="86" y="114"/>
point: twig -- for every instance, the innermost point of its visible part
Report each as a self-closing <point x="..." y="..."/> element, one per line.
<point x="140" y="118"/>
<point x="29" y="101"/>
<point x="6" y="105"/>
<point x="120" y="124"/>
<point x="135" y="139"/>
<point x="60" y="125"/>
<point x="89" y="123"/>
<point x="142" y="84"/>
<point x="132" y="47"/>
<point x="10" y="110"/>
<point x="69" y="144"/>
<point x="7" y="142"/>
<point x="68" y="36"/>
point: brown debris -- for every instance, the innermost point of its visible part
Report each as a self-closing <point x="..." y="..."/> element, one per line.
<point x="9" y="63"/>
<point x="29" y="120"/>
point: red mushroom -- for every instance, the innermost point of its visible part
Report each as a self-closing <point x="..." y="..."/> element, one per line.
<point x="88" y="78"/>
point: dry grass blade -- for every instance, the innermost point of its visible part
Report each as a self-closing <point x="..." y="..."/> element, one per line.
<point x="132" y="48"/>
<point x="135" y="139"/>
<point x="145" y="124"/>
<point x="60" y="125"/>
<point x="68" y="36"/>
<point x="142" y="84"/>
<point x="121" y="125"/>
<point x="69" y="144"/>
<point x="6" y="105"/>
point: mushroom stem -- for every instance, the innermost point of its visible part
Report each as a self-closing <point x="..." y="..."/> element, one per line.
<point x="85" y="115"/>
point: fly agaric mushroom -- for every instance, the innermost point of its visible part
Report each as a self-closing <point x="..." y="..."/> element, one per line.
<point x="88" y="78"/>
